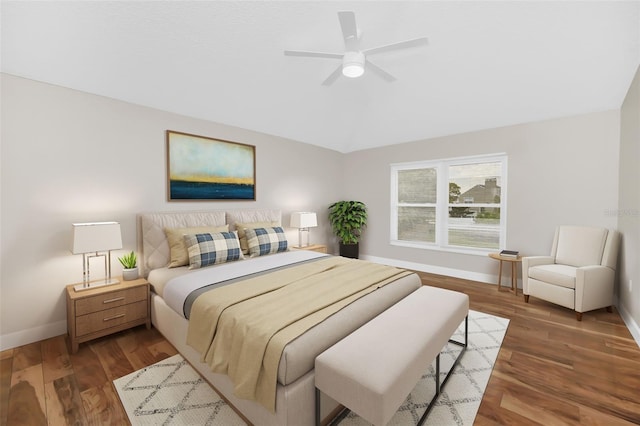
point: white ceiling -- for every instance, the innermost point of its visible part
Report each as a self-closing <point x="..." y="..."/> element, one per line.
<point x="488" y="64"/>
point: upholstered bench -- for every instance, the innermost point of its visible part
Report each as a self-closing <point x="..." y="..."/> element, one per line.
<point x="372" y="370"/>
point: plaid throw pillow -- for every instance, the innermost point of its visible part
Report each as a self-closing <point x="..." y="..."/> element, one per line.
<point x="263" y="241"/>
<point x="212" y="248"/>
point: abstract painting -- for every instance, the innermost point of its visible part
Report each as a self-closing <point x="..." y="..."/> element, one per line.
<point x="203" y="169"/>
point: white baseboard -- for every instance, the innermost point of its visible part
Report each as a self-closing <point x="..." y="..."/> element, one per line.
<point x="24" y="337"/>
<point x="632" y="325"/>
<point x="457" y="273"/>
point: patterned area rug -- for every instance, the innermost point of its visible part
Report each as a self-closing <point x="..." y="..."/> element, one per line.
<point x="171" y="392"/>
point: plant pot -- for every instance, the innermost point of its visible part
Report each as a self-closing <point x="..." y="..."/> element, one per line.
<point x="349" y="250"/>
<point x="129" y="274"/>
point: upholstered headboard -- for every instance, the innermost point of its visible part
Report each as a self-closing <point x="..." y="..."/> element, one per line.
<point x="153" y="246"/>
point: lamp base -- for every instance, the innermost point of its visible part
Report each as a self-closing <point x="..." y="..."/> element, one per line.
<point x="300" y="231"/>
<point x="95" y="284"/>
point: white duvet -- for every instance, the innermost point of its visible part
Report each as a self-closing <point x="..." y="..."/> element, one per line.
<point x="175" y="284"/>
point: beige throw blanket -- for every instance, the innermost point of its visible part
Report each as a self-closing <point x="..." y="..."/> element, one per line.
<point x="241" y="329"/>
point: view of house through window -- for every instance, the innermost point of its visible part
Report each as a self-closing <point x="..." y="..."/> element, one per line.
<point x="455" y="203"/>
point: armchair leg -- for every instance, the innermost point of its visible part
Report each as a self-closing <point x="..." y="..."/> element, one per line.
<point x="609" y="309"/>
<point x="579" y="316"/>
<point x="526" y="298"/>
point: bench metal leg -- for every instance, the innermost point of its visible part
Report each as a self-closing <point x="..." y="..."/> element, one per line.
<point x="318" y="415"/>
<point x="439" y="386"/>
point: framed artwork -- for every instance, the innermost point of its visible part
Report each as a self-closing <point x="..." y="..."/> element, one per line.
<point x="207" y="169"/>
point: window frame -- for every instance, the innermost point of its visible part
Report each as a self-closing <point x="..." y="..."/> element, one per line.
<point x="442" y="202"/>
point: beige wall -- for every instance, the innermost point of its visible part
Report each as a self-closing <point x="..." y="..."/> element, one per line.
<point x="629" y="207"/>
<point x="562" y="171"/>
<point x="69" y="156"/>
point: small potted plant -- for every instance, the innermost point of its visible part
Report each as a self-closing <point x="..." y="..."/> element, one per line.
<point x="348" y="219"/>
<point x="130" y="266"/>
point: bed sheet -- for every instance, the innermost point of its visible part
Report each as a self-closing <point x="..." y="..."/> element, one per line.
<point x="175" y="285"/>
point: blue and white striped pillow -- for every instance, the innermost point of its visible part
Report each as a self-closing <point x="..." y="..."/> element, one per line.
<point x="212" y="248"/>
<point x="263" y="241"/>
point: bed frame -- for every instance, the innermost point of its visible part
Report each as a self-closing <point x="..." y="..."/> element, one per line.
<point x="295" y="402"/>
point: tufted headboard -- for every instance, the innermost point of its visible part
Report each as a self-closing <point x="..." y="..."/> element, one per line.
<point x="153" y="246"/>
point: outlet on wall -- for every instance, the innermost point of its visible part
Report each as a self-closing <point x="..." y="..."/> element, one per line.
<point x="630" y="285"/>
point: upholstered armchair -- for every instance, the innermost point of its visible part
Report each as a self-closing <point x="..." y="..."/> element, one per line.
<point x="580" y="272"/>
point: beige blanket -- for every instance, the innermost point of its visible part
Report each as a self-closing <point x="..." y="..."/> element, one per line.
<point x="241" y="329"/>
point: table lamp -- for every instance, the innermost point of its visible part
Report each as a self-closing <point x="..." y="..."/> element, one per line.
<point x="91" y="238"/>
<point x="303" y="221"/>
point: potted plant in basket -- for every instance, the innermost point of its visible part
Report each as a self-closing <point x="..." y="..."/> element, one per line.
<point x="348" y="219"/>
<point x="130" y="266"/>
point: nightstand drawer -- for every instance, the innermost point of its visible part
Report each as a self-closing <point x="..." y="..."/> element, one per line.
<point x="105" y="309"/>
<point x="110" y="300"/>
<point x="97" y="321"/>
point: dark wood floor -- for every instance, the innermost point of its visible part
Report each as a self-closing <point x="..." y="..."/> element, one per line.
<point x="551" y="370"/>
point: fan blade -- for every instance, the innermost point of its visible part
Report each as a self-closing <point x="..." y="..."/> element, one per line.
<point x="333" y="76"/>
<point x="312" y="54"/>
<point x="382" y="73"/>
<point x="349" y="30"/>
<point x="396" y="46"/>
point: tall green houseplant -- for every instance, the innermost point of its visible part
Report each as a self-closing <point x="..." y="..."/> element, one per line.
<point x="348" y="219"/>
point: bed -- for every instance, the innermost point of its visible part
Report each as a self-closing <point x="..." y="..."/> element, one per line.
<point x="294" y="391"/>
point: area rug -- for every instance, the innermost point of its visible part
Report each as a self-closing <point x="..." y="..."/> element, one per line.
<point x="171" y="392"/>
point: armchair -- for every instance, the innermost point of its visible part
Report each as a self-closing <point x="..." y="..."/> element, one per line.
<point x="580" y="272"/>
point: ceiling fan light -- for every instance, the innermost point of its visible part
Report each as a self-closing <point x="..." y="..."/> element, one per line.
<point x="353" y="64"/>
<point x="353" y="70"/>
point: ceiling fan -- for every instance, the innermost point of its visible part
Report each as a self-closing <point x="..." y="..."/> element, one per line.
<point x="354" y="58"/>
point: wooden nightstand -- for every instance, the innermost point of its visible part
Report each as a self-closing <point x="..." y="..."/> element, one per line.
<point x="104" y="310"/>
<point x="320" y="248"/>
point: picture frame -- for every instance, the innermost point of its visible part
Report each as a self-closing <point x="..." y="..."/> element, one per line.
<point x="201" y="168"/>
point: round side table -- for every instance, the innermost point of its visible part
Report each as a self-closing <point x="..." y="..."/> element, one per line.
<point x="514" y="271"/>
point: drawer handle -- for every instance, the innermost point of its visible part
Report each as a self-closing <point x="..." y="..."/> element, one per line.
<point x="113" y="317"/>
<point x="117" y="299"/>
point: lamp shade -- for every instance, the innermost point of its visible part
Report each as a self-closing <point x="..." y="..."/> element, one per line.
<point x="303" y="220"/>
<point x="96" y="236"/>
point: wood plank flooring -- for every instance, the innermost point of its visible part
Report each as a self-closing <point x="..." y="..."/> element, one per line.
<point x="551" y="370"/>
<point x="43" y="384"/>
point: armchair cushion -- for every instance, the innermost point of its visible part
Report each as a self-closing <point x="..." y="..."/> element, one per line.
<point x="580" y="245"/>
<point x="562" y="275"/>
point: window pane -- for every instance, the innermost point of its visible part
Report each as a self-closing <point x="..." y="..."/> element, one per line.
<point x="479" y="227"/>
<point x="417" y="224"/>
<point x="417" y="186"/>
<point x="463" y="195"/>
<point x="475" y="183"/>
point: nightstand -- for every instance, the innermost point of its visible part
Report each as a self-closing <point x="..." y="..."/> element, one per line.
<point x="320" y="248"/>
<point x="105" y="310"/>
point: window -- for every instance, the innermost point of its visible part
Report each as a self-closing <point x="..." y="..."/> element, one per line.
<point x="454" y="204"/>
